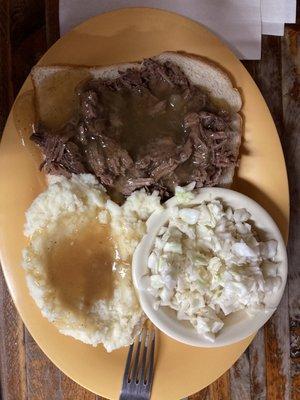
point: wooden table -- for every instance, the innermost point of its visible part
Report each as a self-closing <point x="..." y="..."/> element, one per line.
<point x="270" y="368"/>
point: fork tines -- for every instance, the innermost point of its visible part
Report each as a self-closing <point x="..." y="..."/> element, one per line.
<point x="138" y="374"/>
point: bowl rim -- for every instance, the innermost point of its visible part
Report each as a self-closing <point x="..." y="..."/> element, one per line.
<point x="142" y="251"/>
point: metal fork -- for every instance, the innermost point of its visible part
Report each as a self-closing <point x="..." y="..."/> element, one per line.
<point x="139" y="369"/>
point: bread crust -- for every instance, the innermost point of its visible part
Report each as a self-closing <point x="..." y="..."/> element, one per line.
<point x="54" y="87"/>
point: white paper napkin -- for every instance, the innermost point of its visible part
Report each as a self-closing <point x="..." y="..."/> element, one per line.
<point x="275" y="13"/>
<point x="290" y="11"/>
<point x="236" y="22"/>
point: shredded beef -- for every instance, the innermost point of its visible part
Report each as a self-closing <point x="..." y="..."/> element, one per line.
<point x="147" y="128"/>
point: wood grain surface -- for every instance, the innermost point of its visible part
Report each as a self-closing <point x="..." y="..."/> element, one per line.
<point x="270" y="367"/>
<point x="6" y="95"/>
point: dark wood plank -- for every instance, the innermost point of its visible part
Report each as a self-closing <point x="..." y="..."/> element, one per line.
<point x="26" y="17"/>
<point x="45" y="381"/>
<point x="277" y="353"/>
<point x="28" y="38"/>
<point x="25" y="56"/>
<point x="202" y="395"/>
<point x="257" y="365"/>
<point x="291" y="146"/>
<point x="267" y="74"/>
<point x="12" y="350"/>
<point x="52" y="21"/>
<point x="240" y="379"/>
<point x="43" y="378"/>
<point x="71" y="390"/>
<point x="220" y="389"/>
<point x="5" y="64"/>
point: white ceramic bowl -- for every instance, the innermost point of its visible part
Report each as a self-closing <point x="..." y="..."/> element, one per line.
<point x="238" y="325"/>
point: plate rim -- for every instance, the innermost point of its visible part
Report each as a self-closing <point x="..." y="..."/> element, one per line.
<point x="5" y="269"/>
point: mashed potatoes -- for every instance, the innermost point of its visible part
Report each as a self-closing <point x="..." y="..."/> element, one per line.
<point x="72" y="220"/>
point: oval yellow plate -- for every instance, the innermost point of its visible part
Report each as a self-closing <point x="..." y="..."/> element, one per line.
<point x="127" y="35"/>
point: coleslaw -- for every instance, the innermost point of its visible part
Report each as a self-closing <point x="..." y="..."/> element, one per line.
<point x="208" y="262"/>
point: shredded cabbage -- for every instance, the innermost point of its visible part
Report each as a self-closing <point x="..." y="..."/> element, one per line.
<point x="184" y="195"/>
<point x="207" y="263"/>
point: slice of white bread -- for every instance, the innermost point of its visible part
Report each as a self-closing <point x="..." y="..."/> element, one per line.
<point x="55" y="101"/>
<point x="216" y="82"/>
<point x="54" y="88"/>
<point x="207" y="75"/>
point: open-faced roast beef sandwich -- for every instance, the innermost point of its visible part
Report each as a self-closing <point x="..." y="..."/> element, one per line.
<point x="166" y="121"/>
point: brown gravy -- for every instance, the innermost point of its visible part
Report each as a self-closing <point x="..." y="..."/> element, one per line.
<point x="80" y="267"/>
<point x="147" y="128"/>
<point x="24" y="117"/>
<point x="139" y="126"/>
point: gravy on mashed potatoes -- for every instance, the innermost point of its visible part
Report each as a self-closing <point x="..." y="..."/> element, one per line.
<point x="81" y="266"/>
<point x="78" y="259"/>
